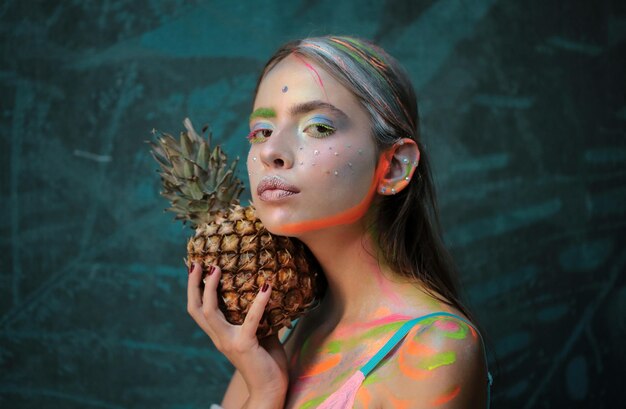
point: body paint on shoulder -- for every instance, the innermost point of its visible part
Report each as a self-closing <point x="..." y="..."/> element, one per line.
<point x="321" y="367"/>
<point x="398" y="403"/>
<point x="349" y="340"/>
<point x="451" y="328"/>
<point x="435" y="361"/>
<point x="382" y="323"/>
<point x="446" y="397"/>
<point x="363" y="397"/>
<point x="372" y="378"/>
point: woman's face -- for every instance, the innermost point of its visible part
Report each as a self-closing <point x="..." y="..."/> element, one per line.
<point x="312" y="157"/>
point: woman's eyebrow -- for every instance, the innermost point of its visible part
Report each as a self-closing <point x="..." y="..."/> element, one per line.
<point x="263" y="113"/>
<point x="307" y="107"/>
<point x="299" y="109"/>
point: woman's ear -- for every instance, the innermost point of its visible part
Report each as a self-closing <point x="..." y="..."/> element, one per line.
<point x="404" y="157"/>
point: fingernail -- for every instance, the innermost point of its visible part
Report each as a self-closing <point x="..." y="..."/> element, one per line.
<point x="265" y="287"/>
<point x="211" y="270"/>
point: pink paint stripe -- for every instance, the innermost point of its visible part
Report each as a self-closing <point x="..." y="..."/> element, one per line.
<point x="310" y="67"/>
<point x="370" y="324"/>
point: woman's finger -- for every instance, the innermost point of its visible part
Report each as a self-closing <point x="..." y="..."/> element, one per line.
<point x="212" y="314"/>
<point x="255" y="313"/>
<point x="194" y="294"/>
<point x="211" y="280"/>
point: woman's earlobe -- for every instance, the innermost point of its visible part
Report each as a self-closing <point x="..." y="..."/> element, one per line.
<point x="404" y="158"/>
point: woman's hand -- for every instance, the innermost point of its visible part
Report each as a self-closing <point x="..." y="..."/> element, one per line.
<point x="262" y="363"/>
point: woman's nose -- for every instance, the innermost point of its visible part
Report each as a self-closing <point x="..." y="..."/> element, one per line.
<point x="276" y="152"/>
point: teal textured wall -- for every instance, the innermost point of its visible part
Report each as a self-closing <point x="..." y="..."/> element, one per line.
<point x="524" y="113"/>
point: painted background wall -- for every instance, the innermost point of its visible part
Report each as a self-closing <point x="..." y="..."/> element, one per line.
<point x="524" y="113"/>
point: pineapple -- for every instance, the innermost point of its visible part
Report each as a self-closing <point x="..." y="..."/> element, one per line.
<point x="204" y="191"/>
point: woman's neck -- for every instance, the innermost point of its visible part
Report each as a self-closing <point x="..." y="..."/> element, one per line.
<point x="361" y="287"/>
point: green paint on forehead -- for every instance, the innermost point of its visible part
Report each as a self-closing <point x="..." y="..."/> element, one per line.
<point x="263" y="113"/>
<point x="437" y="360"/>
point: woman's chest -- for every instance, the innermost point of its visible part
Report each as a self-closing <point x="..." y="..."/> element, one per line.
<point x="319" y="368"/>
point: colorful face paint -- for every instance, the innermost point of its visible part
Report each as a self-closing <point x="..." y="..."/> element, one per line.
<point x="299" y="119"/>
<point x="302" y="118"/>
<point x="262" y="113"/>
<point x="259" y="133"/>
<point x="319" y="127"/>
<point x="361" y="62"/>
<point x="346" y="217"/>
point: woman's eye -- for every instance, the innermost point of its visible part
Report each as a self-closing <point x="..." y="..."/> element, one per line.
<point x="320" y="130"/>
<point x="259" y="135"/>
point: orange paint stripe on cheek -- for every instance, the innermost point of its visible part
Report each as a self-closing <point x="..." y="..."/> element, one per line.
<point x="446" y="397"/>
<point x="346" y="217"/>
<point x="321" y="367"/>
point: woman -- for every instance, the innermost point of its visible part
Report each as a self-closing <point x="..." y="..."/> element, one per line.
<point x="336" y="161"/>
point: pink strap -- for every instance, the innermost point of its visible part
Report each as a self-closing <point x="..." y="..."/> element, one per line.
<point x="343" y="398"/>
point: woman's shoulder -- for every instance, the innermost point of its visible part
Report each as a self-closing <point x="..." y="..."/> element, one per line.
<point x="440" y="360"/>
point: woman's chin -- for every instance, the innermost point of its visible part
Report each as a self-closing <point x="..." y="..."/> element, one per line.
<point x="286" y="226"/>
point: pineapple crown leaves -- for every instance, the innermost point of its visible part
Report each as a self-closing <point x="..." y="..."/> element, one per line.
<point x="198" y="182"/>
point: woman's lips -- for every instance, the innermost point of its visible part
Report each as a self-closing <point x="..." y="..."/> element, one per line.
<point x="272" y="188"/>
